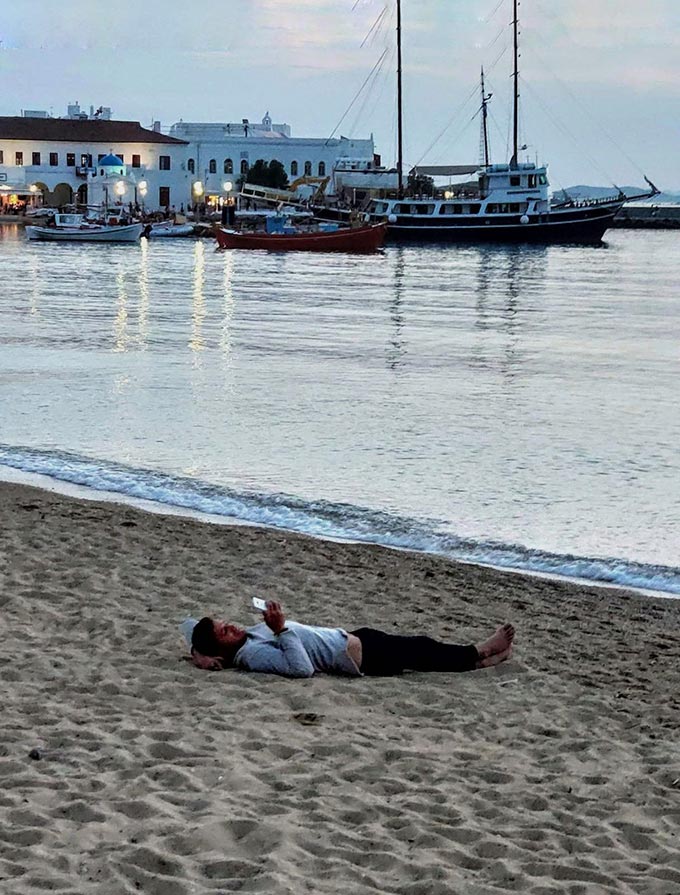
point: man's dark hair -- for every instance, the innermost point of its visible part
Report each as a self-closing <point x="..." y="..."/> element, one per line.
<point x="203" y="638"/>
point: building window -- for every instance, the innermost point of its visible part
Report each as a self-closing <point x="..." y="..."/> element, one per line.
<point x="164" y="165"/>
<point x="85" y="160"/>
<point x="293" y="169"/>
<point x="212" y="166"/>
<point x="18" y="158"/>
<point x="244" y="166"/>
<point x="228" y="166"/>
<point x="322" y="169"/>
<point x="191" y="165"/>
<point x="35" y="158"/>
<point x="136" y="161"/>
<point x="308" y="169"/>
<point x="164" y="195"/>
<point x="70" y="159"/>
<point x="54" y="159"/>
<point x="2" y="157"/>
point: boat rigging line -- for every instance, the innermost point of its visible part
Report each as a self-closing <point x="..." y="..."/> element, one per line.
<point x="374" y="71"/>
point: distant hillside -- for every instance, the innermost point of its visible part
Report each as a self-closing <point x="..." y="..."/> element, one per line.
<point x="601" y="192"/>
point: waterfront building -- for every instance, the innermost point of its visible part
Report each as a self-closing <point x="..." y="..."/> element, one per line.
<point x="220" y="154"/>
<point x="57" y="161"/>
<point x="54" y="161"/>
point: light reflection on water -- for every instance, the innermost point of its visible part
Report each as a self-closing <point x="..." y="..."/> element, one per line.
<point x="524" y="395"/>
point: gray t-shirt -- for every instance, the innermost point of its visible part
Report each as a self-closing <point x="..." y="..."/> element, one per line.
<point x="299" y="651"/>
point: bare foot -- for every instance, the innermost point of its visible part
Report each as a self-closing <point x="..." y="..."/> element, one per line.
<point x="495" y="659"/>
<point x="498" y="643"/>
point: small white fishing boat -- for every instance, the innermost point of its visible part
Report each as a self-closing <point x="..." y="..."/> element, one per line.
<point x="167" y="229"/>
<point x="75" y="228"/>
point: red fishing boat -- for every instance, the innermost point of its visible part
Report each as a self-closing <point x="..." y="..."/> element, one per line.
<point x="368" y="238"/>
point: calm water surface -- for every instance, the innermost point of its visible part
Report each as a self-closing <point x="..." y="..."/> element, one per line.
<point x="510" y="405"/>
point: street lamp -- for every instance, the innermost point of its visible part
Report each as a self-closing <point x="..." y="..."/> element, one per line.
<point x="143" y="189"/>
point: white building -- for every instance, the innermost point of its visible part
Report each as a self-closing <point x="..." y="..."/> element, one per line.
<point x="218" y="154"/>
<point x="57" y="158"/>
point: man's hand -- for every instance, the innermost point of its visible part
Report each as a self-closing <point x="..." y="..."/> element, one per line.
<point x="274" y="617"/>
<point x="207" y="663"/>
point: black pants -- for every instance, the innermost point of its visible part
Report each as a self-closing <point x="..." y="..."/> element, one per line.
<point x="386" y="654"/>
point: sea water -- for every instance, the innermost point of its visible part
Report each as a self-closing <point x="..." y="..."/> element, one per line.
<point x="516" y="406"/>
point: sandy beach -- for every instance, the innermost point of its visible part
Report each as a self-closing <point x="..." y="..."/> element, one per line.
<point x="125" y="769"/>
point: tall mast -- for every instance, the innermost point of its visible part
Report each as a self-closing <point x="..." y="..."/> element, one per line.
<point x="485" y="126"/>
<point x="515" y="80"/>
<point x="400" y="134"/>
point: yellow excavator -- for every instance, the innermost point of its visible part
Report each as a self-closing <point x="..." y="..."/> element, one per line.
<point x="317" y="195"/>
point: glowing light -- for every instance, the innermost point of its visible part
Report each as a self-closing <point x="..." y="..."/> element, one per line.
<point x="228" y="186"/>
<point x="33" y="188"/>
<point x="448" y="194"/>
<point x="198" y="188"/>
<point x="120" y="188"/>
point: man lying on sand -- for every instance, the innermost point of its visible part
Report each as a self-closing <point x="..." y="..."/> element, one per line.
<point x="295" y="650"/>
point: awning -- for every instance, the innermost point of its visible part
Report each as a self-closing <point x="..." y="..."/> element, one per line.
<point x="444" y="170"/>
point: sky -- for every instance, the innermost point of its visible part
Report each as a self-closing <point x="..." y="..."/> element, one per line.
<point x="600" y="79"/>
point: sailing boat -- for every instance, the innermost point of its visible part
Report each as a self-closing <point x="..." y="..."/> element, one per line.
<point x="511" y="202"/>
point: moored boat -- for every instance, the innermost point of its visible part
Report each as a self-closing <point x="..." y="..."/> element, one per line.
<point x="508" y="202"/>
<point x="167" y="229"/>
<point x="360" y="240"/>
<point x="75" y="228"/>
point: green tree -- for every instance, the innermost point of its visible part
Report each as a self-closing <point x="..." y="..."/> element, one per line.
<point x="420" y="184"/>
<point x="271" y="174"/>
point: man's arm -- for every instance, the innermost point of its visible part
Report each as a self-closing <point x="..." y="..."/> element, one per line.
<point x="287" y="656"/>
<point x="207" y="663"/>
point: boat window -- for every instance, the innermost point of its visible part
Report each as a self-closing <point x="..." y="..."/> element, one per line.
<point x="515" y="180"/>
<point x="450" y="209"/>
<point x="532" y="180"/>
<point x="422" y="209"/>
<point x="380" y="207"/>
<point x="308" y="169"/>
<point x="471" y="209"/>
<point x="542" y="179"/>
<point x="293" y="169"/>
<point x="228" y="166"/>
<point x="212" y="166"/>
<point x="322" y="169"/>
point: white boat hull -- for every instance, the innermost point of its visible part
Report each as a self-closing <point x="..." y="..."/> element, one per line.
<point x="170" y="232"/>
<point x="126" y="233"/>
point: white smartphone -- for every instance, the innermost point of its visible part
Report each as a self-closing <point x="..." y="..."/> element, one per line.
<point x="259" y="604"/>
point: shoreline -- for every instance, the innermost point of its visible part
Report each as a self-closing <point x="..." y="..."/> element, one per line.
<point x="11" y="475"/>
<point x="554" y="772"/>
